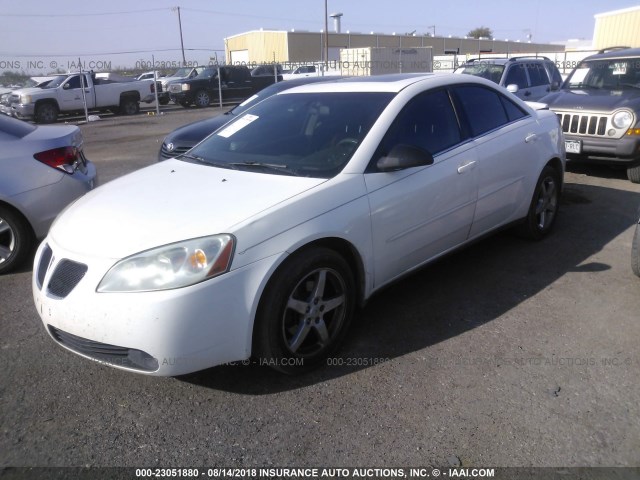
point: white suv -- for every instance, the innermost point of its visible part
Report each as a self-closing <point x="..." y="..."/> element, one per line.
<point x="529" y="78"/>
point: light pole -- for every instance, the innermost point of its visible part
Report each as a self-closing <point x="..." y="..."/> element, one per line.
<point x="326" y="37"/>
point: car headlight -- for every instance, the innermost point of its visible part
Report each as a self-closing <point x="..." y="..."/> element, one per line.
<point x="24" y="99"/>
<point x="185" y="87"/>
<point x="622" y="119"/>
<point x="171" y="266"/>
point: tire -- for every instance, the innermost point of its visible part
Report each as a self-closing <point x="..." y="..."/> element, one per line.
<point x="305" y="311"/>
<point x="163" y="101"/>
<point x="16" y="239"/>
<point x="46" y="113"/>
<point x="633" y="174"/>
<point x="635" y="252"/>
<point x="544" y="206"/>
<point x="129" y="106"/>
<point x="202" y="99"/>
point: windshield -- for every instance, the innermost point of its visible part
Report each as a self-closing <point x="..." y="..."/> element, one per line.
<point x="207" y="73"/>
<point x="304" y="134"/>
<point x="615" y="73"/>
<point x="490" y="71"/>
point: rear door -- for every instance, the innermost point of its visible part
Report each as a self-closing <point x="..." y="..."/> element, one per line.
<point x="538" y="79"/>
<point x="516" y="74"/>
<point x="421" y="212"/>
<point x="505" y="139"/>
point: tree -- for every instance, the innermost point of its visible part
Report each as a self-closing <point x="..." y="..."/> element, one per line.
<point x="481" y="32"/>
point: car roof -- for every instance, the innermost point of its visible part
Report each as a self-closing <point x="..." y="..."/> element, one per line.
<point x="504" y="61"/>
<point x="615" y="53"/>
<point x="391" y="83"/>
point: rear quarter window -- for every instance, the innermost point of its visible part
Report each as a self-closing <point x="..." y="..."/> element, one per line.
<point x="483" y="108"/>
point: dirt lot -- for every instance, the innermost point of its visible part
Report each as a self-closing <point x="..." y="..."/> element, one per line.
<point x="510" y="353"/>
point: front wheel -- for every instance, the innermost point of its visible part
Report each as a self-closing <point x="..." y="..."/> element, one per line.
<point x="305" y="311"/>
<point x="633" y="174"/>
<point x="46" y="113"/>
<point x="202" y="99"/>
<point x="544" y="205"/>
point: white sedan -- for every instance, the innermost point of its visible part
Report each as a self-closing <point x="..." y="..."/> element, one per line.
<point x="265" y="238"/>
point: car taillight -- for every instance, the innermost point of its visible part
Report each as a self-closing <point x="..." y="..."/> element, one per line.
<point x="64" y="158"/>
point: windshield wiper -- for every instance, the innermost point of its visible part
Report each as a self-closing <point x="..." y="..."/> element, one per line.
<point x="204" y="161"/>
<point x="284" y="169"/>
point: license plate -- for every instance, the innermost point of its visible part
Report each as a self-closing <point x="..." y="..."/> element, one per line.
<point x="573" y="146"/>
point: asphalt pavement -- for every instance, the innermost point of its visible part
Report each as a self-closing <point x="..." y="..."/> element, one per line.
<point x="509" y="353"/>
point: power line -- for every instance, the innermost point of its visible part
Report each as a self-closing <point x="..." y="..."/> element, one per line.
<point x="28" y="15"/>
<point x="28" y="55"/>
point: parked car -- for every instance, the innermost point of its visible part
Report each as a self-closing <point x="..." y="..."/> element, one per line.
<point x="43" y="170"/>
<point x="529" y="78"/>
<point x="64" y="95"/>
<point x="599" y="109"/>
<point x="301" y="71"/>
<point x="235" y="83"/>
<point x="635" y="249"/>
<point x="185" y="137"/>
<point x="264" y="238"/>
<point x="179" y="75"/>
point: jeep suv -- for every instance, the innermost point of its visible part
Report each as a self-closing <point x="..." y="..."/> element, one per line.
<point x="599" y="110"/>
<point x="529" y="78"/>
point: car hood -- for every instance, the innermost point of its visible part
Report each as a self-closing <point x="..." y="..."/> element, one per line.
<point x="167" y="80"/>
<point x="604" y="101"/>
<point x="169" y="202"/>
<point x="26" y="91"/>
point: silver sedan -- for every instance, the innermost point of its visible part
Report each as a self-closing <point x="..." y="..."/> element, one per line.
<point x="42" y="170"/>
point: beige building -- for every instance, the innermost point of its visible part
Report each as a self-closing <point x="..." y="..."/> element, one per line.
<point x="617" y="28"/>
<point x="283" y="46"/>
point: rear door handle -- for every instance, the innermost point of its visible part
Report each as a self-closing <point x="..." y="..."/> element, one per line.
<point x="532" y="137"/>
<point x="465" y="167"/>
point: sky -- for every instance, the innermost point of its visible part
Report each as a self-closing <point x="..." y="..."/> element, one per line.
<point x="123" y="33"/>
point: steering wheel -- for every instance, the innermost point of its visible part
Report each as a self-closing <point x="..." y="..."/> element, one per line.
<point x="342" y="150"/>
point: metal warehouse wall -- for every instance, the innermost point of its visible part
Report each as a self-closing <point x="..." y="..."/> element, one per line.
<point x="617" y="28"/>
<point x="262" y="46"/>
<point x="283" y="46"/>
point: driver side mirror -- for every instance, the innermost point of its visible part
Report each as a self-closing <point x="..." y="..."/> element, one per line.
<point x="555" y="86"/>
<point x="66" y="86"/>
<point x="402" y="157"/>
<point x="513" y="88"/>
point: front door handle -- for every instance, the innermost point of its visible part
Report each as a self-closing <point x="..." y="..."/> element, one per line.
<point x="465" y="167"/>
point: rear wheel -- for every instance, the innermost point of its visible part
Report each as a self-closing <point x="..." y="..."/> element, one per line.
<point x="202" y="99"/>
<point x="46" y="113"/>
<point x="633" y="174"/>
<point x="16" y="239"/>
<point x="129" y="106"/>
<point x="305" y="311"/>
<point x="544" y="205"/>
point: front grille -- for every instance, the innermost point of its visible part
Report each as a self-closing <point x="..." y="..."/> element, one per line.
<point x="65" y="277"/>
<point x="173" y="153"/>
<point x="583" y="123"/>
<point x="110" y="354"/>
<point x="43" y="266"/>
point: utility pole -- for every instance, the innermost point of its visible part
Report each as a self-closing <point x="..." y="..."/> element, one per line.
<point x="184" y="60"/>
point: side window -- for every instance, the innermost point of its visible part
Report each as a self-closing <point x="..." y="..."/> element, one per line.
<point x="74" y="82"/>
<point x="483" y="108"/>
<point x="554" y="74"/>
<point x="537" y="74"/>
<point x="428" y="121"/>
<point x="516" y="75"/>
<point x="514" y="112"/>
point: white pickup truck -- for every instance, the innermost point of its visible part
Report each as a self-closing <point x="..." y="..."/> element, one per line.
<point x="64" y="95"/>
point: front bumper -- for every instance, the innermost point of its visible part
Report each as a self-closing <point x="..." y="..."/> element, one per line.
<point x="620" y="151"/>
<point x="182" y="97"/>
<point x="164" y="333"/>
<point x="23" y="110"/>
